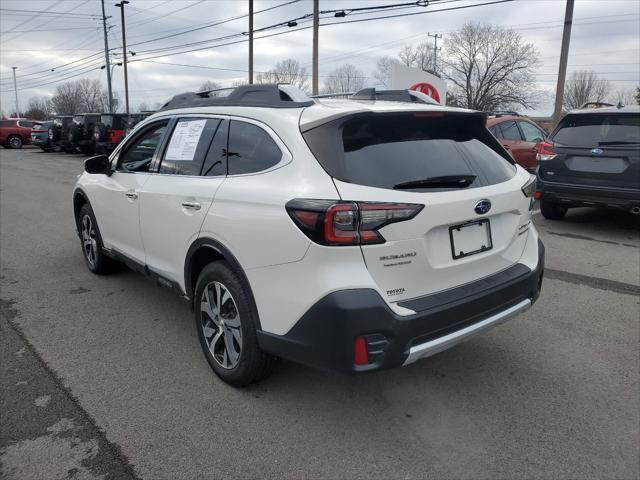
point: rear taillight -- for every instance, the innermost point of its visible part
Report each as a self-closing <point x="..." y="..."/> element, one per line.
<point x="545" y="152"/>
<point x="330" y="222"/>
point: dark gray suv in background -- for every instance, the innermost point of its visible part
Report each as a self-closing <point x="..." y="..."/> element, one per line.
<point x="592" y="159"/>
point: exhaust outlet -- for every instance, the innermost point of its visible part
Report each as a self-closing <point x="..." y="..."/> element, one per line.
<point x="635" y="210"/>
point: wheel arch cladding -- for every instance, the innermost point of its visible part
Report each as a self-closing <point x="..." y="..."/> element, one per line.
<point x="204" y="251"/>
<point x="79" y="199"/>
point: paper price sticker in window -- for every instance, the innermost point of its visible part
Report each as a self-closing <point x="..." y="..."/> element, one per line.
<point x="184" y="141"/>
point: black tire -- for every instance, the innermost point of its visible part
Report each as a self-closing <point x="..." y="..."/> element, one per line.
<point x="15" y="142"/>
<point x="252" y="363"/>
<point x="552" y="211"/>
<point x="97" y="263"/>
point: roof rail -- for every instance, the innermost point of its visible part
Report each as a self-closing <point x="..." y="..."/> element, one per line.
<point x="332" y="95"/>
<point x="407" y="96"/>
<point x="596" y="105"/>
<point x="267" y="95"/>
<point x="501" y="113"/>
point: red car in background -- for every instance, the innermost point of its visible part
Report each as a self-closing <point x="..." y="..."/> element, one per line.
<point x="518" y="135"/>
<point x="15" y="132"/>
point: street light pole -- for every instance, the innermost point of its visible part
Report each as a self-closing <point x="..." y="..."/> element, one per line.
<point x="250" y="42"/>
<point x="316" y="27"/>
<point x="564" y="57"/>
<point x="124" y="54"/>
<point x="15" y="90"/>
<point x="435" y="36"/>
<point x="106" y="57"/>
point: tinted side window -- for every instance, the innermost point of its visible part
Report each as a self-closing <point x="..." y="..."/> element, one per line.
<point x="216" y="162"/>
<point x="495" y="131"/>
<point x="188" y="146"/>
<point x="251" y="149"/>
<point x="531" y="132"/>
<point x="24" y="124"/>
<point x="138" y="154"/>
<point x="510" y="131"/>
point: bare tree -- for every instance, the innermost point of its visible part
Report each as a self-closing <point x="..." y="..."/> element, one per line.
<point x="421" y="56"/>
<point x="345" y="78"/>
<point x="208" y="85"/>
<point x="142" y="107"/>
<point x="288" y="71"/>
<point x="584" y="86"/>
<point x="624" y="97"/>
<point x="490" y="67"/>
<point x="383" y="72"/>
<point x="39" y="108"/>
<point x="637" y="95"/>
<point x="66" y="101"/>
<point x="84" y="95"/>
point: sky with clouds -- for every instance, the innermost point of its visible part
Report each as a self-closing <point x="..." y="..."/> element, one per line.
<point x="605" y="39"/>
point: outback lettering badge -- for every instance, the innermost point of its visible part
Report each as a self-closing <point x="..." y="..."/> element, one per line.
<point x="386" y="258"/>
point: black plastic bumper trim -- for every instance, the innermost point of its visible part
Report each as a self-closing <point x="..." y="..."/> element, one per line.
<point x="324" y="337"/>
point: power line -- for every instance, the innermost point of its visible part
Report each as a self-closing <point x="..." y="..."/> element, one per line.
<point x="279" y="25"/>
<point x="40" y="13"/>
<point x="219" y="22"/>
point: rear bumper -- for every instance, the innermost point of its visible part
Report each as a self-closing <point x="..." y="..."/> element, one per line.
<point x="40" y="141"/>
<point x="571" y="195"/>
<point x="325" y="335"/>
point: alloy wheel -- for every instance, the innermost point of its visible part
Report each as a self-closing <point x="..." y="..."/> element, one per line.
<point x="15" y="142"/>
<point x="220" y="323"/>
<point x="89" y="243"/>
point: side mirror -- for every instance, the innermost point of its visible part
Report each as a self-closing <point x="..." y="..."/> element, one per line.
<point x="98" y="164"/>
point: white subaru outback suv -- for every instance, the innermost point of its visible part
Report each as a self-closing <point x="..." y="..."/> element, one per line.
<point x="352" y="234"/>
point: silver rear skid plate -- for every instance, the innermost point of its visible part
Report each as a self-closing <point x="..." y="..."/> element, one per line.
<point x="443" y="343"/>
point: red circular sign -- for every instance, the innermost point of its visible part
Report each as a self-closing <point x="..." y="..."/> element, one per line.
<point x="427" y="89"/>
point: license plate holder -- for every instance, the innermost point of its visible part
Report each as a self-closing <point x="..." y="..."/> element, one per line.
<point x="470" y="238"/>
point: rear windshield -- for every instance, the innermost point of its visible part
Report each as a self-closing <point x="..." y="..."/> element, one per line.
<point x="591" y="130"/>
<point x="386" y="150"/>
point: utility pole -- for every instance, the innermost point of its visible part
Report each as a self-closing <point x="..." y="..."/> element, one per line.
<point x="15" y="90"/>
<point x="124" y="54"/>
<point x="106" y="57"/>
<point x="435" y="36"/>
<point x="564" y="57"/>
<point x="250" y="42"/>
<point x="316" y="27"/>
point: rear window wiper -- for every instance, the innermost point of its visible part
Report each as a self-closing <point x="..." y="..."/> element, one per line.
<point x="618" y="142"/>
<point x="444" y="181"/>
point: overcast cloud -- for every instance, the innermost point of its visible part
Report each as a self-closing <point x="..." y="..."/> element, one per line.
<point x="605" y="38"/>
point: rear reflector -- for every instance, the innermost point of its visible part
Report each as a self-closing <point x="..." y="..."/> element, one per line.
<point x="360" y="354"/>
<point x="330" y="222"/>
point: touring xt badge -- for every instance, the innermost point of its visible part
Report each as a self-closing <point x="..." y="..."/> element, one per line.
<point x="399" y="259"/>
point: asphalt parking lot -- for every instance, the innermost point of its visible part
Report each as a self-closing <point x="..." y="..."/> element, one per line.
<point x="104" y="375"/>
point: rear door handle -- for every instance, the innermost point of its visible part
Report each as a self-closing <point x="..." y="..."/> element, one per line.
<point x="131" y="195"/>
<point x="191" y="205"/>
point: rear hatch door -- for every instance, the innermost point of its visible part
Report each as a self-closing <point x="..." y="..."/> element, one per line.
<point x="463" y="232"/>
<point x="595" y="149"/>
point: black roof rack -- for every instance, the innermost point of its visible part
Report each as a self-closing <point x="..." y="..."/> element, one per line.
<point x="267" y="95"/>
